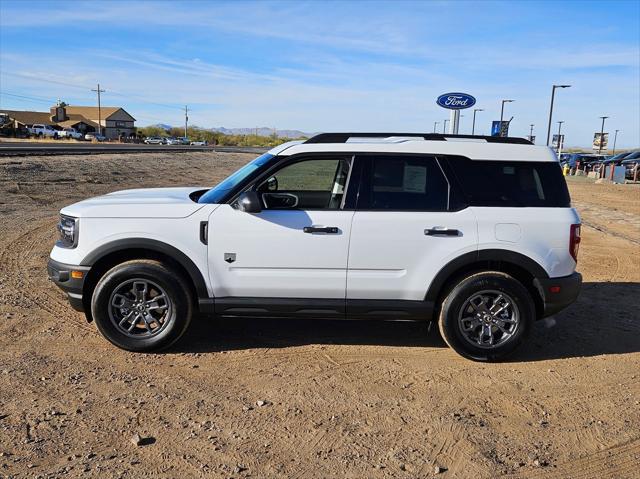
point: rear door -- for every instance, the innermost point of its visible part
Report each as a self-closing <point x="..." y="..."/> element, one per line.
<point x="404" y="230"/>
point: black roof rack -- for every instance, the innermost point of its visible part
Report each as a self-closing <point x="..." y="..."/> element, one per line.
<point x="344" y="137"/>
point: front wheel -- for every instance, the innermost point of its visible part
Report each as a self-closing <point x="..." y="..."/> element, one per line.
<point x="486" y="316"/>
<point x="142" y="305"/>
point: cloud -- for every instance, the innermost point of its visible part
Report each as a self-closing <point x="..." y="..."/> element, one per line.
<point x="302" y="65"/>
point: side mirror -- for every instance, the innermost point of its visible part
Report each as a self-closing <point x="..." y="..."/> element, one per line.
<point x="249" y="202"/>
<point x="272" y="184"/>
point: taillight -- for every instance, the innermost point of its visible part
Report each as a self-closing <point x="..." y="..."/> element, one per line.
<point x="574" y="241"/>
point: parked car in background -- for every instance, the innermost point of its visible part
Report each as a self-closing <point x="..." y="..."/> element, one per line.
<point x="70" y="133"/>
<point x="94" y="137"/>
<point x="631" y="163"/>
<point x="572" y="159"/>
<point x="154" y="140"/>
<point x="617" y="159"/>
<point x="173" y="141"/>
<point x="184" y="140"/>
<point x="200" y="143"/>
<point x="43" y="131"/>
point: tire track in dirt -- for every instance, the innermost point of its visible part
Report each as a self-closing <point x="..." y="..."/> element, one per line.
<point x="621" y="461"/>
<point x="19" y="254"/>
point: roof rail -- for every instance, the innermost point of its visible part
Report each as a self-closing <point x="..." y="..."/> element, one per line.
<point x="344" y="137"/>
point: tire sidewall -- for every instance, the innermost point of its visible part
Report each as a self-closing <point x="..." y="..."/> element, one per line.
<point x="172" y="284"/>
<point x="450" y="328"/>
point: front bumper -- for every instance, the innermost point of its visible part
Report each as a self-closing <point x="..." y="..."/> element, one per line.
<point x="62" y="275"/>
<point x="558" y="293"/>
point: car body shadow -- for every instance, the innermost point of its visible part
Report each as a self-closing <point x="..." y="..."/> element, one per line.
<point x="604" y="320"/>
<point x="207" y="334"/>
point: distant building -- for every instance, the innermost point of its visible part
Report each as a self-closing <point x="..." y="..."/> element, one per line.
<point x="115" y="121"/>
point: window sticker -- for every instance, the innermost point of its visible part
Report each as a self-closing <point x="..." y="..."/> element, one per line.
<point x="415" y="179"/>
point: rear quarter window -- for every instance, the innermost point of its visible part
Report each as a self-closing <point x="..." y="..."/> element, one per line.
<point x="510" y="183"/>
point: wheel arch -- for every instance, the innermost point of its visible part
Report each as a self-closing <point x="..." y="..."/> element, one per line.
<point x="521" y="267"/>
<point x="110" y="254"/>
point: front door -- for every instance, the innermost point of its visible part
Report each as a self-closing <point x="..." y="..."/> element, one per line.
<point x="290" y="258"/>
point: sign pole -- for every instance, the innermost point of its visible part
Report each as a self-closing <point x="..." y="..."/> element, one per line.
<point x="454" y="123"/>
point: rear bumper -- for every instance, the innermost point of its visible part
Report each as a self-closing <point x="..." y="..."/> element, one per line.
<point x="60" y="274"/>
<point x="558" y="293"/>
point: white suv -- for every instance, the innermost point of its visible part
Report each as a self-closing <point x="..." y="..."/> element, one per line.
<point x="476" y="233"/>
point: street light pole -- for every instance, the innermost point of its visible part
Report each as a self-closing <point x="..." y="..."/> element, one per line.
<point x="444" y="126"/>
<point x="473" y="127"/>
<point x="435" y="124"/>
<point x="531" y="131"/>
<point x="601" y="134"/>
<point x="502" y="113"/>
<point x="615" y="138"/>
<point x="553" y="94"/>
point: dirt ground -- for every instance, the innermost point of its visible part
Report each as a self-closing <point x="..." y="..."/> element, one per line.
<point x="337" y="399"/>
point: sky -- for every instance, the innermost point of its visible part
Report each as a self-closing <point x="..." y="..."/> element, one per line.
<point x="331" y="65"/>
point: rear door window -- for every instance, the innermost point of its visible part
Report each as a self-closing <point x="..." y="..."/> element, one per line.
<point x="510" y="183"/>
<point x="402" y="183"/>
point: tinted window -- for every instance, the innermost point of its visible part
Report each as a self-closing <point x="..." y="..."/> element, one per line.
<point x="413" y="183"/>
<point x="511" y="183"/>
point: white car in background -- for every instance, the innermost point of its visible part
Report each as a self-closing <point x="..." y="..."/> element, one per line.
<point x="43" y="131"/>
<point x="70" y="133"/>
<point x="94" y="137"/>
<point x="200" y="143"/>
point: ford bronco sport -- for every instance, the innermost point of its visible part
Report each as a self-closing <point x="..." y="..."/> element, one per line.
<point x="475" y="233"/>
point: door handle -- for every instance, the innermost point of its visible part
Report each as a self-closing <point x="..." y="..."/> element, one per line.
<point x="440" y="231"/>
<point x="204" y="232"/>
<point x="321" y="229"/>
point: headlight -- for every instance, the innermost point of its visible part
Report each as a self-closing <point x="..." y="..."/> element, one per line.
<point x="68" y="229"/>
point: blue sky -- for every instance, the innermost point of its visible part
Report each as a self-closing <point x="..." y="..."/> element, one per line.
<point x="330" y="65"/>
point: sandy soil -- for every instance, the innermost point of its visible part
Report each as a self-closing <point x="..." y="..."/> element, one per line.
<point x="338" y="399"/>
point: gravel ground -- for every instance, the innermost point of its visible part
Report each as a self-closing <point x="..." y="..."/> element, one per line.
<point x="300" y="399"/>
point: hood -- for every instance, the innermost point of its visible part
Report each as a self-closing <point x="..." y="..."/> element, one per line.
<point x="138" y="203"/>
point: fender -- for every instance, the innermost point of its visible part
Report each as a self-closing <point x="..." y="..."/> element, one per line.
<point x="497" y="255"/>
<point x="152" y="245"/>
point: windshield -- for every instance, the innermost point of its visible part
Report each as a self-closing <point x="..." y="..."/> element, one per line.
<point x="215" y="194"/>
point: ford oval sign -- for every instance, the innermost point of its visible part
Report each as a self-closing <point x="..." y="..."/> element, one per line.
<point x="456" y="101"/>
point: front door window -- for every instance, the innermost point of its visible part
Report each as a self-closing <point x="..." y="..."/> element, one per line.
<point x="308" y="184"/>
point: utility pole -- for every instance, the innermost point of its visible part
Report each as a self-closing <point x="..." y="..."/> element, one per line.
<point x="98" y="91"/>
<point x="502" y="114"/>
<point x="615" y="138"/>
<point x="531" y="130"/>
<point x="186" y="119"/>
<point x="435" y="124"/>
<point x="601" y="134"/>
<point x="473" y="127"/>
<point x="553" y="94"/>
<point x="444" y="126"/>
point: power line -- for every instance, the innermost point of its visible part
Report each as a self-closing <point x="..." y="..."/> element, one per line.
<point x="85" y="87"/>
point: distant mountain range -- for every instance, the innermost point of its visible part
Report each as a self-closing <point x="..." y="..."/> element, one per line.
<point x="263" y="131"/>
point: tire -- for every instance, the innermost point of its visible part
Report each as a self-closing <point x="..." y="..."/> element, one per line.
<point x="474" y="331"/>
<point x="151" y="326"/>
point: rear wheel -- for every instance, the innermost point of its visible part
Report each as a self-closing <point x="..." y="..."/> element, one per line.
<point x="486" y="316"/>
<point x="142" y="305"/>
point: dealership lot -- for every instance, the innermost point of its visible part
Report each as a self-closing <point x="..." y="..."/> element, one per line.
<point x="307" y="399"/>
